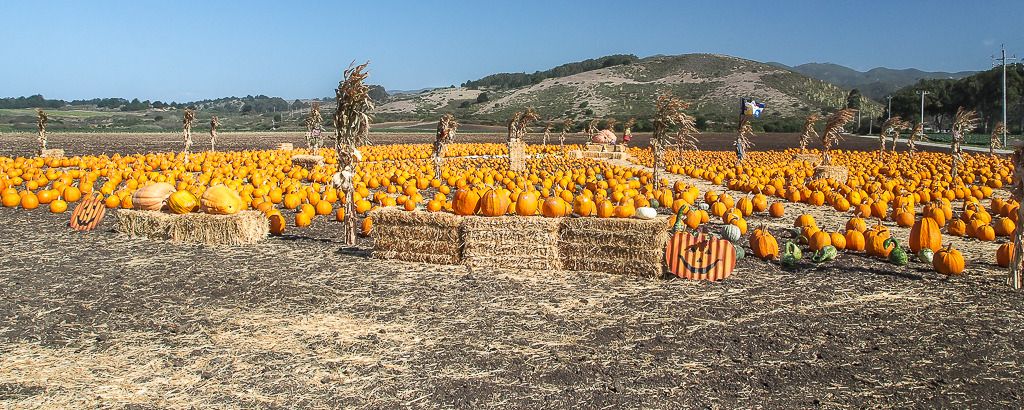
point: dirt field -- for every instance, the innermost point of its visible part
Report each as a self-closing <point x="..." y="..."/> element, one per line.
<point x="96" y="319"/>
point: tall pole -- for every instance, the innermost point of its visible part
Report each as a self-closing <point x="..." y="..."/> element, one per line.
<point x="923" y="93"/>
<point x="889" y="111"/>
<point x="1002" y="61"/>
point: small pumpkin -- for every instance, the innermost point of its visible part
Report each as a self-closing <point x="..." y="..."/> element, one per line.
<point x="730" y="233"/>
<point x="277" y="224"/>
<point x="554" y="207"/>
<point x="1004" y="254"/>
<point x="948" y="261"/>
<point x="526" y="204"/>
<point x="646" y="213"/>
<point x="855" y="240"/>
<point x="152" y="197"/>
<point x="777" y="210"/>
<point x="763" y="244"/>
<point x="466" y="202"/>
<point x="220" y="200"/>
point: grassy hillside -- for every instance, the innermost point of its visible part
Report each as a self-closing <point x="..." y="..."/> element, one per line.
<point x="714" y="85"/>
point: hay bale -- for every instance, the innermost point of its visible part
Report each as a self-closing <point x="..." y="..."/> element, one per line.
<point x="626" y="246"/>
<point x="417" y="236"/>
<point x="285" y="146"/>
<point x="517" y="155"/>
<point x="511" y="242"/>
<point x="307" y="161"/>
<point x="52" y="153"/>
<point x="813" y="159"/>
<point x="834" y="172"/>
<point x="243" y="228"/>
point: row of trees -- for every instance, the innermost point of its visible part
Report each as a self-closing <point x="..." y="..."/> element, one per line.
<point x="981" y="92"/>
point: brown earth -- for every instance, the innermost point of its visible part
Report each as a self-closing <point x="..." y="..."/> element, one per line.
<point x="97" y="319"/>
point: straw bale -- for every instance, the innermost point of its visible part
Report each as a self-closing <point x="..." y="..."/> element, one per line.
<point x="286" y="146"/>
<point x="53" y="153"/>
<point x="810" y="158"/>
<point x="307" y="161"/>
<point x="417" y="236"/>
<point x="834" y="172"/>
<point x="243" y="228"/>
<point x="517" y="155"/>
<point x="625" y="246"/>
<point x="511" y="242"/>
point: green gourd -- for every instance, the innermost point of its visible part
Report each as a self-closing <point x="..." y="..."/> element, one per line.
<point x="791" y="254"/>
<point x="740" y="252"/>
<point x="826" y="254"/>
<point x="898" y="256"/>
<point x="926" y="255"/>
<point x="680" y="220"/>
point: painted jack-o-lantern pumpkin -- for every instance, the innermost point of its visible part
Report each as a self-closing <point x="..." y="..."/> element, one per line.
<point x="700" y="257"/>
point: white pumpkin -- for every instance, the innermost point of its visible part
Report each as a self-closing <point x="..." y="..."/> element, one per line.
<point x="645" y="212"/>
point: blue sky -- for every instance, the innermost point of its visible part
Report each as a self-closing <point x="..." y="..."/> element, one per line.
<point x="187" y="50"/>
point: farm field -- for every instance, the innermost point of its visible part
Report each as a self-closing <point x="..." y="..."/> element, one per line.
<point x="98" y="319"/>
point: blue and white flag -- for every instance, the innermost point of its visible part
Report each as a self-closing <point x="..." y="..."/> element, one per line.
<point x="752" y="108"/>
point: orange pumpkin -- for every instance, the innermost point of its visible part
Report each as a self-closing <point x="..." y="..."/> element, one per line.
<point x="1004" y="255"/>
<point x="948" y="261"/>
<point x="583" y="206"/>
<point x="925" y="234"/>
<point x="554" y="207"/>
<point x="777" y="210"/>
<point x="466" y="202"/>
<point x="493" y="203"/>
<point x="605" y="209"/>
<point x="526" y="204"/>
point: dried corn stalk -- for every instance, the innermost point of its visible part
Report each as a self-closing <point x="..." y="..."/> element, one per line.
<point x="669" y="115"/>
<point x="314" y="128"/>
<point x="964" y="122"/>
<point x="186" y="128"/>
<point x="41" y="120"/>
<point x="352" y="129"/>
<point x="214" y="123"/>
<point x="1016" y="277"/>
<point x="445" y="135"/>
<point x="891" y="128"/>
<point x="743" y="143"/>
<point x="916" y="134"/>
<point x="592" y="128"/>
<point x="566" y="128"/>
<point x="519" y="123"/>
<point x="809" y="131"/>
<point x="994" y="141"/>
<point x="547" y="133"/>
<point x="833" y="132"/>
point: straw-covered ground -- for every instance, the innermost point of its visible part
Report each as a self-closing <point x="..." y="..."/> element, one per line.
<point x="99" y="319"/>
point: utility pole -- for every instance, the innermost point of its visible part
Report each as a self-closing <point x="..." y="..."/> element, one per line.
<point x="889" y="111"/>
<point x="923" y="93"/>
<point x="1002" y="61"/>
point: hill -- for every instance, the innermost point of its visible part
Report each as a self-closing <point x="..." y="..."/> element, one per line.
<point x="981" y="91"/>
<point x="713" y="83"/>
<point x="875" y="83"/>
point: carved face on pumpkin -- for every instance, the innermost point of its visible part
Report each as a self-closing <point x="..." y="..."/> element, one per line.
<point x="700" y="257"/>
<point x="88" y="214"/>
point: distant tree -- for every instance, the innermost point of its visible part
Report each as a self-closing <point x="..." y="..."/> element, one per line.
<point x="584" y="104"/>
<point x="853" y="99"/>
<point x="277" y="117"/>
<point x="158" y="118"/>
<point x="247" y="108"/>
<point x="465" y="104"/>
<point x="378" y="94"/>
<point x="482" y="98"/>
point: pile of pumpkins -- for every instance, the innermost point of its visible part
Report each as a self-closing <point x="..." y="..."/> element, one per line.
<point x="498" y="202"/>
<point x="161" y="196"/>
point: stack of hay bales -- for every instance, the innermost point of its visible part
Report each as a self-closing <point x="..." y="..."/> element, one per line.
<point x="430" y="237"/>
<point x="517" y="155"/>
<point x="53" y="153"/>
<point x="834" y="172"/>
<point x="628" y="246"/>
<point x="243" y="228"/>
<point x="811" y="158"/>
<point x="511" y="242"/>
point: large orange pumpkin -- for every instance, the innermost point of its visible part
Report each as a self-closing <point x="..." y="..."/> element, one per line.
<point x="220" y="200"/>
<point x="925" y="234"/>
<point x="583" y="206"/>
<point x="466" y="202"/>
<point x="152" y="197"/>
<point x="493" y="203"/>
<point x="948" y="261"/>
<point x="1004" y="254"/>
<point x="526" y="204"/>
<point x="554" y="207"/>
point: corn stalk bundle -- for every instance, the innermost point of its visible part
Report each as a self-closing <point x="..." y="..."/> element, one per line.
<point x="833" y="132"/>
<point x="186" y="128"/>
<point x="41" y="120"/>
<point x="994" y="141"/>
<point x="917" y="133"/>
<point x="566" y="127"/>
<point x="891" y="128"/>
<point x="743" y="138"/>
<point x="1016" y="274"/>
<point x="214" y="123"/>
<point x="547" y="133"/>
<point x="610" y="124"/>
<point x="809" y="131"/>
<point x="352" y="129"/>
<point x="964" y="122"/>
<point x="445" y="135"/>
<point x="669" y="115"/>
<point x="314" y="128"/>
<point x="592" y="128"/>
<point x="519" y="123"/>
